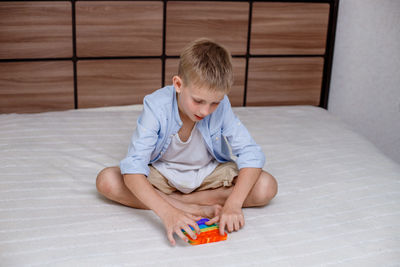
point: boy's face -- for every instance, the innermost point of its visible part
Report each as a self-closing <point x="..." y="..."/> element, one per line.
<point x="196" y="102"/>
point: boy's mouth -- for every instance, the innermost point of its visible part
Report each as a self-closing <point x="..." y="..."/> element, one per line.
<point x="199" y="118"/>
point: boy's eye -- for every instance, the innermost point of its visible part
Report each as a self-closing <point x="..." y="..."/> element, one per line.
<point x="202" y="102"/>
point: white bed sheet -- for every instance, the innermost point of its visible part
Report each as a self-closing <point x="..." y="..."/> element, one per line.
<point x="338" y="200"/>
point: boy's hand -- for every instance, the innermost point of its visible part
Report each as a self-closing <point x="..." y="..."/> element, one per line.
<point x="230" y="218"/>
<point x="176" y="220"/>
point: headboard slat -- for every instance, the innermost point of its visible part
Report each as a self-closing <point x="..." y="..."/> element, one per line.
<point x="124" y="50"/>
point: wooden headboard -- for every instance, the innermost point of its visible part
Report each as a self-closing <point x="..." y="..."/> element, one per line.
<point x="58" y="55"/>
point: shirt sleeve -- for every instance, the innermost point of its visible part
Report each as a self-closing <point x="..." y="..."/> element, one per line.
<point x="247" y="152"/>
<point x="142" y="143"/>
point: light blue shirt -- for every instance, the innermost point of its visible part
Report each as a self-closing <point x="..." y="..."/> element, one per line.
<point x="227" y="139"/>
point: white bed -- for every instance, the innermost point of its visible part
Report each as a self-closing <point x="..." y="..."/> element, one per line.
<point x="338" y="200"/>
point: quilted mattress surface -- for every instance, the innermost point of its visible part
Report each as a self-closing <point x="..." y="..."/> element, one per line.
<point x="338" y="202"/>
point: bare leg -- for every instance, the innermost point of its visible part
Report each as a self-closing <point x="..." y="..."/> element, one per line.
<point x="261" y="194"/>
<point x="110" y="184"/>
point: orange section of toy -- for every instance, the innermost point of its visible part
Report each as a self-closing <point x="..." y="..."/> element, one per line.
<point x="208" y="237"/>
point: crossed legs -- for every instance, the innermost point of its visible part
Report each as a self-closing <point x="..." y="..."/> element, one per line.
<point x="205" y="203"/>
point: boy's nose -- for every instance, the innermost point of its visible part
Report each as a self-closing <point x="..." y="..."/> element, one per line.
<point x="205" y="110"/>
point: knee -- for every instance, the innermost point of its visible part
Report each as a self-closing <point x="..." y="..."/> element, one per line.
<point x="105" y="182"/>
<point x="266" y="189"/>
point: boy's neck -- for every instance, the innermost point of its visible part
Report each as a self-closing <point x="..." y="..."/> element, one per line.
<point x="186" y="120"/>
<point x="186" y="128"/>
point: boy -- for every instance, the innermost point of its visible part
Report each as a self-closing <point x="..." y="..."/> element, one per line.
<point x="180" y="161"/>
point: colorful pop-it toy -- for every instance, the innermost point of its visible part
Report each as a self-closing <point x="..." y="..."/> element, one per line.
<point x="208" y="234"/>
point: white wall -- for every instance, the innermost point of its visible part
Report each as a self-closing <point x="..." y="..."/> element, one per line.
<point x="365" y="83"/>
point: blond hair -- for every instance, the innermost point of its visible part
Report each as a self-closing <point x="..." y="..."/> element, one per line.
<point x="206" y="63"/>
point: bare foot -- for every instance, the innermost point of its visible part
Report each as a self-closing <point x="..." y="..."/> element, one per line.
<point x="177" y="195"/>
<point x="210" y="211"/>
<point x="204" y="197"/>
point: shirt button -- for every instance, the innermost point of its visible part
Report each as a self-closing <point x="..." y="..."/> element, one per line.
<point x="216" y="138"/>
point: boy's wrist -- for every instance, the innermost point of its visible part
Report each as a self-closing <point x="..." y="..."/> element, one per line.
<point x="164" y="210"/>
<point x="246" y="179"/>
<point x="233" y="202"/>
<point x="147" y="194"/>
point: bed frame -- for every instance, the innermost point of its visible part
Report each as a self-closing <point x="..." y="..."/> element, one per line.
<point x="59" y="55"/>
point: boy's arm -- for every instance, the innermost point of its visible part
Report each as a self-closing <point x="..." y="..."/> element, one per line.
<point x="174" y="219"/>
<point x="247" y="152"/>
<point x="231" y="216"/>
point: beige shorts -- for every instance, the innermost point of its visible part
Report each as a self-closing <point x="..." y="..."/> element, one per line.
<point x="223" y="175"/>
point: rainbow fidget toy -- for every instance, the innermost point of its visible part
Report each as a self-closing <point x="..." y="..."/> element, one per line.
<point x="208" y="234"/>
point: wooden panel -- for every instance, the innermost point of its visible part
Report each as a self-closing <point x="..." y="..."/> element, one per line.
<point x="171" y="69"/>
<point x="116" y="82"/>
<point x="237" y="92"/>
<point x="289" y="28"/>
<point x="35" y="29"/>
<point x="284" y="81"/>
<point x="36" y="86"/>
<point x="119" y="28"/>
<point x="224" y="22"/>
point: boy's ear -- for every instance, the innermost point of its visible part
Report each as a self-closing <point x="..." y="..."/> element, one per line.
<point x="177" y="81"/>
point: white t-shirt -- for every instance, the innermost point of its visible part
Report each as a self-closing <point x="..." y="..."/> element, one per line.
<point x="186" y="164"/>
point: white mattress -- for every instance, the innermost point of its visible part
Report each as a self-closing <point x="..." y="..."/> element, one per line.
<point x="338" y="200"/>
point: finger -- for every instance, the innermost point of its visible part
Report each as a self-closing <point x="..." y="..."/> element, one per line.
<point x="190" y="232"/>
<point x="236" y="225"/>
<point x="193" y="217"/>
<point x="193" y="224"/>
<point x="218" y="210"/>
<point x="229" y="226"/>
<point x="241" y="221"/>
<point x="222" y="225"/>
<point x="213" y="220"/>
<point x="181" y="235"/>
<point x="196" y="227"/>
<point x="171" y="238"/>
